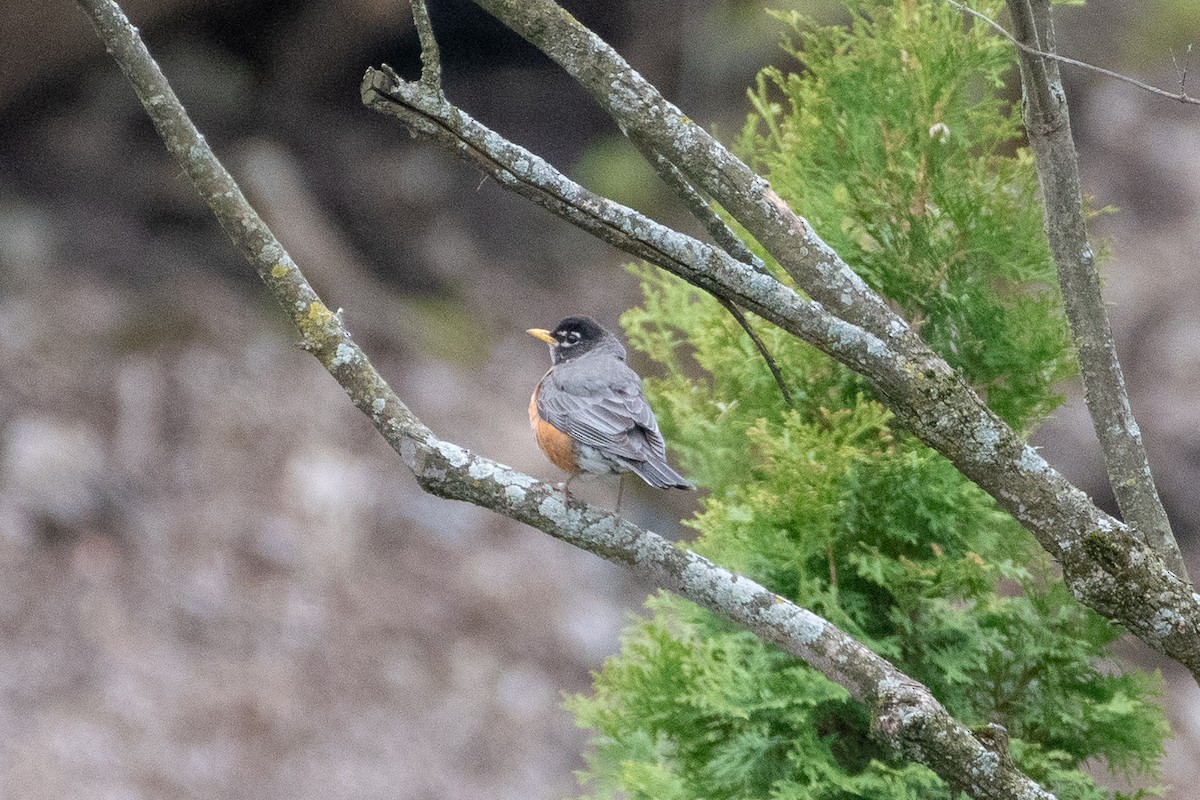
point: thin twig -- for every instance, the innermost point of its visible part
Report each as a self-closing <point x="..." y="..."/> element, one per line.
<point x="1180" y="96"/>
<point x="761" y="346"/>
<point x="431" y="54"/>
<point x="1182" y="73"/>
<point x="728" y="241"/>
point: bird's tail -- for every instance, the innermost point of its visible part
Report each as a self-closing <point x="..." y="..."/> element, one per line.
<point x="659" y="475"/>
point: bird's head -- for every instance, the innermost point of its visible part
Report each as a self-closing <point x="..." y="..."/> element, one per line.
<point x="575" y="336"/>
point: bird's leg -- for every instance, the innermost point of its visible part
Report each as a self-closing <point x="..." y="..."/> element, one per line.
<point x="620" y="489"/>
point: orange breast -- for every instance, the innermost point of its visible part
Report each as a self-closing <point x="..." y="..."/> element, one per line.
<point x="554" y="443"/>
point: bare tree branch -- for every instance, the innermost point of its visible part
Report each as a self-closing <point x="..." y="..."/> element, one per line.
<point x="430" y="116"/>
<point x="721" y="233"/>
<point x="1107" y="567"/>
<point x="1049" y="127"/>
<point x="431" y="54"/>
<point x="1181" y="96"/>
<point x="648" y="119"/>
<point x="904" y="713"/>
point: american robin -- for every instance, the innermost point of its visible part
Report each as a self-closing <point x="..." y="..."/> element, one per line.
<point x="588" y="412"/>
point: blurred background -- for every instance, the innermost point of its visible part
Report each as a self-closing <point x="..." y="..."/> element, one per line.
<point x="218" y="580"/>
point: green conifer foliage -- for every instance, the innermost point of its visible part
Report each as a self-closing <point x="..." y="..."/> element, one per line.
<point x="895" y="143"/>
<point x="892" y="138"/>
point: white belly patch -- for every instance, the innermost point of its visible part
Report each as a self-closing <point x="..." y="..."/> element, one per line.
<point x="594" y="461"/>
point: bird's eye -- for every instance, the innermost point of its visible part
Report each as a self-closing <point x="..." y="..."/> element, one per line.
<point x="571" y="338"/>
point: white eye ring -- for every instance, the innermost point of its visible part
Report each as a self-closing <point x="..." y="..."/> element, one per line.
<point x="571" y="339"/>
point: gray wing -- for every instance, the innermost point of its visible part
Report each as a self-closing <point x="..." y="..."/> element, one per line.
<point x="603" y="406"/>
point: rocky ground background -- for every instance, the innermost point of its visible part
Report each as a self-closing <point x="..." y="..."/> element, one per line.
<point x="218" y="580"/>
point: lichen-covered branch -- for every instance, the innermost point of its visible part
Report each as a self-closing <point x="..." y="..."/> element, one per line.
<point x="431" y="54"/>
<point x="728" y="241"/>
<point x="699" y="207"/>
<point x="1106" y="567"/>
<point x="1049" y="126"/>
<point x="904" y="713"/>
<point x="429" y="115"/>
<point x="653" y="123"/>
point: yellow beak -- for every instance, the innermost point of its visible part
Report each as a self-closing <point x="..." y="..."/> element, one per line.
<point x="542" y="334"/>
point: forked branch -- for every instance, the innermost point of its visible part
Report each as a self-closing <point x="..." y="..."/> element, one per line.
<point x="1048" y="124"/>
<point x="1180" y="97"/>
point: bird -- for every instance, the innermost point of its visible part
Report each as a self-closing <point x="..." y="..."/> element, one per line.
<point x="588" y="412"/>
